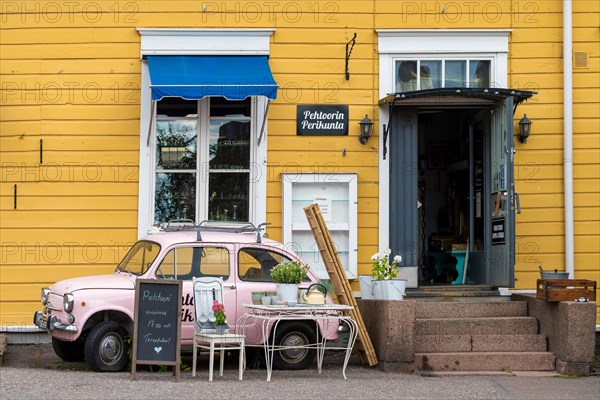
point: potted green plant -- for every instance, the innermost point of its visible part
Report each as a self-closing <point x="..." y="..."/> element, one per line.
<point x="288" y="275"/>
<point x="385" y="285"/>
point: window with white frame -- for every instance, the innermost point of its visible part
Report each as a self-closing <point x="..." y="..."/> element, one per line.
<point x="201" y="159"/>
<point x="418" y="59"/>
<point x="202" y="166"/>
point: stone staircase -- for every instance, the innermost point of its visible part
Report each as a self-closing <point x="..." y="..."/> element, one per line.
<point x="479" y="336"/>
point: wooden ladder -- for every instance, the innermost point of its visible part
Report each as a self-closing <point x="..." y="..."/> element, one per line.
<point x="340" y="282"/>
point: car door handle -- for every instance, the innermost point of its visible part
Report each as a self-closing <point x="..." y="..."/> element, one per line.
<point x="229" y="285"/>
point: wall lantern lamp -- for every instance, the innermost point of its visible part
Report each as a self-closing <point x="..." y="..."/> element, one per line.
<point x="524" y="128"/>
<point x="365" y="129"/>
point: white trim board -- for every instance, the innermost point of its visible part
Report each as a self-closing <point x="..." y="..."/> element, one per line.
<point x="443" y="41"/>
<point x="160" y="41"/>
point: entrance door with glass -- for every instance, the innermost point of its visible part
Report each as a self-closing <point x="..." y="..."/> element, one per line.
<point x="500" y="224"/>
<point x="491" y="193"/>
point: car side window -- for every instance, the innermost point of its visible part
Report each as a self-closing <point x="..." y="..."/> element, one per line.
<point x="254" y="264"/>
<point x="215" y="262"/>
<point x="184" y="263"/>
<point x="166" y="269"/>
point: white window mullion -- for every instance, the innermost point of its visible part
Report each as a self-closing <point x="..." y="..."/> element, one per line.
<point x="468" y="72"/>
<point x="443" y="72"/>
<point x="418" y="74"/>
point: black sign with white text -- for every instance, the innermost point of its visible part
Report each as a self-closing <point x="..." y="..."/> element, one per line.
<point x="319" y="120"/>
<point x="157" y="323"/>
<point x="498" y="231"/>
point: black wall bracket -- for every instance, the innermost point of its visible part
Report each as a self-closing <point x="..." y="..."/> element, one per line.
<point x="348" y="52"/>
<point x="386" y="130"/>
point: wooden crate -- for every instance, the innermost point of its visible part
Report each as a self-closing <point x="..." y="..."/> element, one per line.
<point x="565" y="289"/>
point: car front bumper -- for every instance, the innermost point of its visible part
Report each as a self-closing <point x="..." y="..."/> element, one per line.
<point x="50" y="322"/>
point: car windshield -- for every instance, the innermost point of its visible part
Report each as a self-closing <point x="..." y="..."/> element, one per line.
<point x="139" y="258"/>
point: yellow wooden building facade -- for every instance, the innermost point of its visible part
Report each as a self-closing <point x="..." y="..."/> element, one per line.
<point x="75" y="114"/>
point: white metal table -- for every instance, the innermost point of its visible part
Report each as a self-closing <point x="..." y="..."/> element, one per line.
<point x="269" y="318"/>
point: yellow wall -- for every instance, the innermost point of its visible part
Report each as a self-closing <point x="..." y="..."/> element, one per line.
<point x="538" y="164"/>
<point x="70" y="75"/>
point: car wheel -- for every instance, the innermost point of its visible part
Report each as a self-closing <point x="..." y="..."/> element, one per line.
<point x="294" y="334"/>
<point x="106" y="349"/>
<point x="69" y="351"/>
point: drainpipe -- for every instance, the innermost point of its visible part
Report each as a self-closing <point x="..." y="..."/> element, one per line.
<point x="568" y="135"/>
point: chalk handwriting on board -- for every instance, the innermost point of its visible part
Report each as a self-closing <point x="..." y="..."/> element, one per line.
<point x="153" y="296"/>
<point x="157" y="329"/>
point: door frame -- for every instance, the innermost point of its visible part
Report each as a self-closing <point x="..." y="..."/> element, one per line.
<point x="391" y="106"/>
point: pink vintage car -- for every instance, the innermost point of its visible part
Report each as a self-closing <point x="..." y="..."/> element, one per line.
<point x="91" y="317"/>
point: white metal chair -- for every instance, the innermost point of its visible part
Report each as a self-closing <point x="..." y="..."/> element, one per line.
<point x="206" y="290"/>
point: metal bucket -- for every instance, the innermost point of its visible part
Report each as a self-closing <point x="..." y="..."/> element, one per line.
<point x="554" y="275"/>
<point x="366" y="286"/>
<point x="394" y="289"/>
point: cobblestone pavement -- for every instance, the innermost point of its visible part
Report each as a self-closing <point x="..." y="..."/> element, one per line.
<point x="34" y="372"/>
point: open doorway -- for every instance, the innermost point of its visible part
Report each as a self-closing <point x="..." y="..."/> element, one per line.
<point x="450" y="194"/>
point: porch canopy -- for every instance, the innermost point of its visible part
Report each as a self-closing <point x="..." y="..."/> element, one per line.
<point x="195" y="77"/>
<point x="455" y="97"/>
<point x="449" y="98"/>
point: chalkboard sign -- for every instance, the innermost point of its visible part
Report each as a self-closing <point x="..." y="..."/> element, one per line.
<point x="157" y="324"/>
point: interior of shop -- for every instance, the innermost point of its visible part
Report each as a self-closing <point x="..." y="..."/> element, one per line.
<point x="450" y="193"/>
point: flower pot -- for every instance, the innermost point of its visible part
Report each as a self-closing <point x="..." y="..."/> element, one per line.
<point x="287" y="291"/>
<point x="377" y="289"/>
<point x="392" y="289"/>
<point x="222" y="329"/>
<point x="366" y="287"/>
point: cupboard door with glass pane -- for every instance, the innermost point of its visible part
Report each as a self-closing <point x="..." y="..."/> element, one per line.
<point x="336" y="195"/>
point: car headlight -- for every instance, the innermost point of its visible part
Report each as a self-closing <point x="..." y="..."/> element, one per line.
<point x="45" y="293"/>
<point x="68" y="302"/>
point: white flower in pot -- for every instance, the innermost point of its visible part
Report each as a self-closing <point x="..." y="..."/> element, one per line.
<point x="384" y="274"/>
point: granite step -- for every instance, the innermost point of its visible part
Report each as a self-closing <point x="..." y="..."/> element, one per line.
<point x="471" y="310"/>
<point x="479" y="343"/>
<point x="458" y="298"/>
<point x="495" y="343"/>
<point x="455" y="293"/>
<point x="477" y="326"/>
<point x="485" y="361"/>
